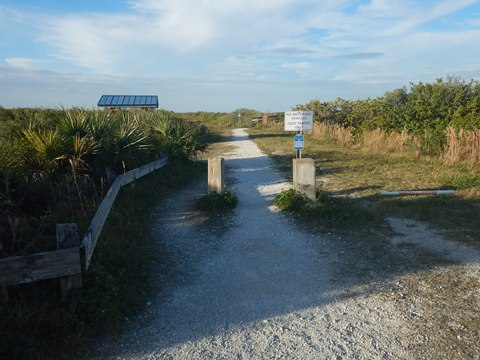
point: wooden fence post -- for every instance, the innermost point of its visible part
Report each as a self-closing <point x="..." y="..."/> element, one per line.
<point x="67" y="237"/>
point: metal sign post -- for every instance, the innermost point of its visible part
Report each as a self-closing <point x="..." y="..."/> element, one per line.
<point x="299" y="144"/>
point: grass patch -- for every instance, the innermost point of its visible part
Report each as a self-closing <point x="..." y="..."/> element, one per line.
<point x="214" y="201"/>
<point x="327" y="212"/>
<point x="356" y="177"/>
<point x="37" y="323"/>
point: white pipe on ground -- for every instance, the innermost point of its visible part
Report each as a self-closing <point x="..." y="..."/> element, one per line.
<point x="417" y="192"/>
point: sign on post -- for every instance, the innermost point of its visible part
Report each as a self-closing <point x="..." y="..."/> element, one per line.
<point x="298" y="142"/>
<point x="298" y="120"/>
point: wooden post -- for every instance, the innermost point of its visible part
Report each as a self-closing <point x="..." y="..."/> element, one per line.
<point x="216" y="178"/>
<point x="67" y="237"/>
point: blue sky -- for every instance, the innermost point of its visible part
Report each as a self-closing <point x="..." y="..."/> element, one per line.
<point x="220" y="55"/>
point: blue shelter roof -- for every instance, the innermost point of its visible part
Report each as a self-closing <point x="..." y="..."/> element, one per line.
<point x="128" y="101"/>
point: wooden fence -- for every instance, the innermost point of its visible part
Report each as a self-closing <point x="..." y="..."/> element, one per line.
<point x="72" y="257"/>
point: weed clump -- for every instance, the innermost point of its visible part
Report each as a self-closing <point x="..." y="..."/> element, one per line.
<point x="327" y="210"/>
<point x="290" y="200"/>
<point x="214" y="201"/>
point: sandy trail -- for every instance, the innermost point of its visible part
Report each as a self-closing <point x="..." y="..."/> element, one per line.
<point x="252" y="285"/>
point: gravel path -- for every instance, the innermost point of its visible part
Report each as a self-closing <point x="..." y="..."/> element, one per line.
<point x="252" y="285"/>
<point x="415" y="232"/>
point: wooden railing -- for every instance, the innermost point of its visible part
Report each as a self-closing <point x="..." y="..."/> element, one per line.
<point x="71" y="258"/>
<point x="93" y="232"/>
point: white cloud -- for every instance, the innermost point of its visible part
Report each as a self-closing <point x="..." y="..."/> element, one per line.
<point x="26" y="63"/>
<point x="302" y="68"/>
<point x="164" y="29"/>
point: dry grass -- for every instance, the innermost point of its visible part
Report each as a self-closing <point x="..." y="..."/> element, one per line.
<point x="463" y="146"/>
<point x="374" y="141"/>
<point x="380" y="141"/>
<point x="334" y="132"/>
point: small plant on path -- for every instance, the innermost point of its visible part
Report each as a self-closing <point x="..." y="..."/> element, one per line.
<point x="290" y="200"/>
<point x="214" y="201"/>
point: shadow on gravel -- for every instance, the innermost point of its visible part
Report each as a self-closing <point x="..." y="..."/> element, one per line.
<point x="229" y="271"/>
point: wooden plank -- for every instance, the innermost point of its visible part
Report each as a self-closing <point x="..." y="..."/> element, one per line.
<point x="94" y="230"/>
<point x="137" y="173"/>
<point x="40" y="266"/>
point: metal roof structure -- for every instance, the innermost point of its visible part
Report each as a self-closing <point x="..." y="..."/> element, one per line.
<point x="128" y="101"/>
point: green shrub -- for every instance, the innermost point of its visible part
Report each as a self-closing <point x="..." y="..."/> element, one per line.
<point x="327" y="211"/>
<point x="214" y="201"/>
<point x="290" y="200"/>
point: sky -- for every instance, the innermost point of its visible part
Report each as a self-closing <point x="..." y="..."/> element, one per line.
<point x="221" y="55"/>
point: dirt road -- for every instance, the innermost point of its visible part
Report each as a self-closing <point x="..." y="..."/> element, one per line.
<point x="252" y="284"/>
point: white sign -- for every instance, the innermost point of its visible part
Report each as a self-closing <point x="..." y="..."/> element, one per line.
<point x="298" y="120"/>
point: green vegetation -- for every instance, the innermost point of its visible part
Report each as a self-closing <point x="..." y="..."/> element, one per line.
<point x="425" y="112"/>
<point x="224" y="120"/>
<point x="290" y="200"/>
<point x="214" y="201"/>
<point x="55" y="168"/>
<point x="327" y="212"/>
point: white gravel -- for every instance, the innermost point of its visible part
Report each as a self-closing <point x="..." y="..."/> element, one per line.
<point x="418" y="233"/>
<point x="253" y="284"/>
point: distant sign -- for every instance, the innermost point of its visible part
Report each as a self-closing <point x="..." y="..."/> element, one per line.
<point x="298" y="142"/>
<point x="298" y="120"/>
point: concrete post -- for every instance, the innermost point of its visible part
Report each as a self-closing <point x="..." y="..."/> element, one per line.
<point x="304" y="177"/>
<point x="216" y="174"/>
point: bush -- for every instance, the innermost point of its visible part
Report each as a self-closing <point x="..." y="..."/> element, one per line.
<point x="217" y="201"/>
<point x="290" y="200"/>
<point x="328" y="210"/>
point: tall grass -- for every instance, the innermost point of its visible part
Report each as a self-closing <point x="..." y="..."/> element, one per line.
<point x="461" y="145"/>
<point x="380" y="141"/>
<point x="334" y="132"/>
